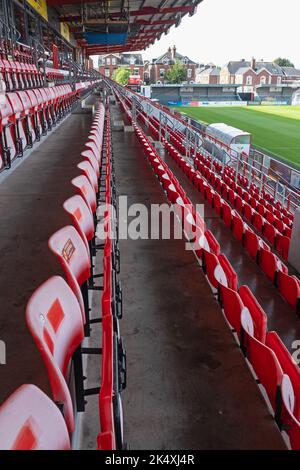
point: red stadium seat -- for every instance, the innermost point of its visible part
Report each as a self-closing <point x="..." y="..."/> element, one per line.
<point x="258" y="222"/>
<point x="239" y="204"/>
<point x="67" y="245"/>
<point x="54" y="319"/>
<point x="258" y="315"/>
<point x="229" y="272"/>
<point x="237" y="228"/>
<point x="269" y="232"/>
<point x="211" y="262"/>
<point x="81" y="217"/>
<point x="29" y="420"/>
<point x="213" y="244"/>
<point x="232" y="306"/>
<point x="226" y="214"/>
<point x="289" y="288"/>
<point x="231" y="196"/>
<point x="248" y="212"/>
<point x="288" y="365"/>
<point x="263" y="360"/>
<point x="251" y="242"/>
<point x="217" y="203"/>
<point x="282" y="245"/>
<point x="88" y="155"/>
<point x="290" y="422"/>
<point x="86" y="190"/>
<point x="270" y="264"/>
<point x="88" y="170"/>
<point x="279" y="225"/>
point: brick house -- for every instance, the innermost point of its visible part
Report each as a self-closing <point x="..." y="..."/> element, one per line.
<point x="252" y="74"/>
<point x="208" y="75"/>
<point x="291" y="75"/>
<point x="108" y="63"/>
<point x="159" y="67"/>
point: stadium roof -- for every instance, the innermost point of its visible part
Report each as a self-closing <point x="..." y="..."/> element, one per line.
<point x="121" y="25"/>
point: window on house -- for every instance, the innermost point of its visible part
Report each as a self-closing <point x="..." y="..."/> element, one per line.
<point x="162" y="73"/>
<point x="189" y="73"/>
<point x="114" y="61"/>
<point x="132" y="60"/>
<point x="278" y="80"/>
<point x="108" y="61"/>
<point x="249" y="80"/>
<point x="263" y="80"/>
<point x="107" y="72"/>
<point x="136" y="71"/>
<point x="185" y="60"/>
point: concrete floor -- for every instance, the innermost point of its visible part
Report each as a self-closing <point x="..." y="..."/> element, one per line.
<point x="188" y="384"/>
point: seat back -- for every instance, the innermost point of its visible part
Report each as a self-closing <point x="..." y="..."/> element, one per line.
<point x="230" y="273"/>
<point x="271" y="264"/>
<point x="67" y="245"/>
<point x="232" y="306"/>
<point x="212" y="242"/>
<point x="282" y="244"/>
<point x="288" y="366"/>
<point x="88" y="170"/>
<point x="226" y="214"/>
<point x="237" y="226"/>
<point x="86" y="190"/>
<point x="54" y="319"/>
<point x="291" y="423"/>
<point x="29" y="420"/>
<point x="81" y="217"/>
<point x="259" y="318"/>
<point x="263" y="361"/>
<point x="289" y="288"/>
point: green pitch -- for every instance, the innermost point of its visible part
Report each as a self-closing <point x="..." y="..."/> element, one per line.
<point x="274" y="128"/>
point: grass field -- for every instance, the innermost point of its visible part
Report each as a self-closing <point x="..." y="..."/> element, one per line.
<point x="274" y="128"/>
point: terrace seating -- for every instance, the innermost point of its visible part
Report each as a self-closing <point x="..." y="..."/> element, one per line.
<point x="29" y="420"/>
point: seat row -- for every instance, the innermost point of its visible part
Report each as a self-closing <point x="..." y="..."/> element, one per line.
<point x="289" y="286"/>
<point x="19" y="75"/>
<point x="272" y="204"/>
<point x="26" y="115"/>
<point x="273" y="212"/>
<point x="282" y="223"/>
<point x="59" y="316"/>
<point x="269" y="360"/>
<point x="270" y="264"/>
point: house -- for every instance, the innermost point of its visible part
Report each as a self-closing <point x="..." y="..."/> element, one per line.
<point x="252" y="74"/>
<point x="209" y="75"/>
<point x="108" y="63"/>
<point x="291" y="75"/>
<point x="159" y="67"/>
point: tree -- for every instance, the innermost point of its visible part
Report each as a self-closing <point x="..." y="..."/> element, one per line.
<point x="283" y="62"/>
<point x="177" y="73"/>
<point x="121" y="75"/>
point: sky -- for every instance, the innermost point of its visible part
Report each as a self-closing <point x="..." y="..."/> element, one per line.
<point x="224" y="30"/>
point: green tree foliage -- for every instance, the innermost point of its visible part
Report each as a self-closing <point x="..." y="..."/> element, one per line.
<point x="177" y="73"/>
<point x="121" y="75"/>
<point x="283" y="62"/>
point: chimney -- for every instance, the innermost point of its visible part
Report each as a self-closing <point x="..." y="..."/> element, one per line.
<point x="174" y="53"/>
<point x="253" y="63"/>
<point x="170" y="50"/>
